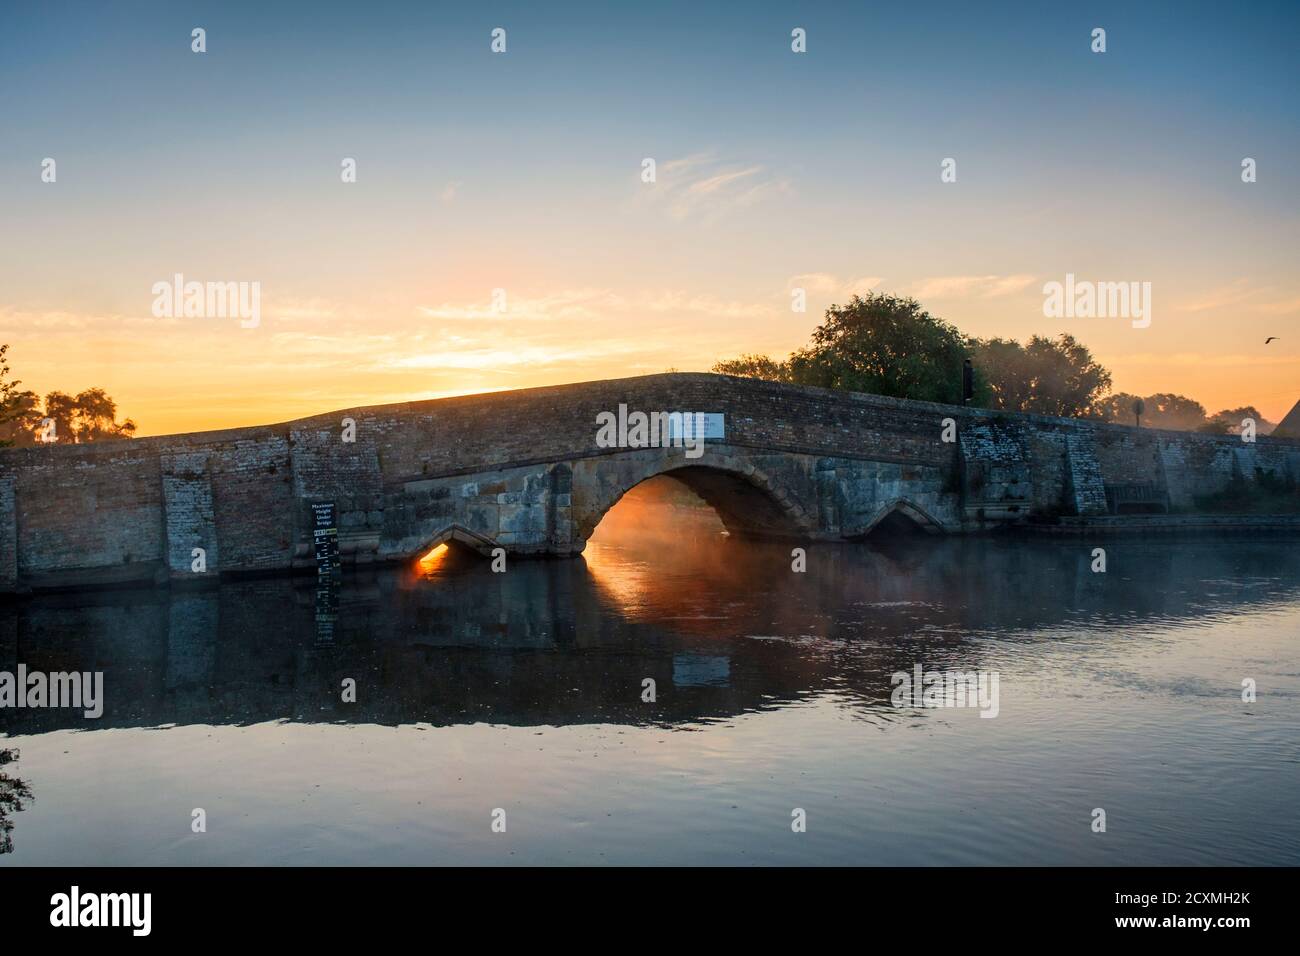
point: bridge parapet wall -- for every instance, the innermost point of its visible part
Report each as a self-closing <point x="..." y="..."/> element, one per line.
<point x="131" y="510"/>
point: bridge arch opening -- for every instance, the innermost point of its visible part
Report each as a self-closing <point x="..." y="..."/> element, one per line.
<point x="660" y="510"/>
<point x="699" y="499"/>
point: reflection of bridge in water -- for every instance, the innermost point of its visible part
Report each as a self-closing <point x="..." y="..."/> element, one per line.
<point x="571" y="642"/>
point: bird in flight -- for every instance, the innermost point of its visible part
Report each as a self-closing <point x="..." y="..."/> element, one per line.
<point x="1269" y="339"/>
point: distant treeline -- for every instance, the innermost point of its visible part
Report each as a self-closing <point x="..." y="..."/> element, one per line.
<point x="887" y="345"/>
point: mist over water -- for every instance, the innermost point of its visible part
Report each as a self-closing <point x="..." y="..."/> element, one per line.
<point x="523" y="691"/>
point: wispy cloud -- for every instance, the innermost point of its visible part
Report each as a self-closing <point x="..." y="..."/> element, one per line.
<point x="300" y="310"/>
<point x="722" y="180"/>
<point x="597" y="304"/>
<point x="1243" y="296"/>
<point x="824" y="285"/>
<point x="507" y="360"/>
<point x="1201" y="360"/>
<point x="15" y="321"/>
<point x="1283" y="307"/>
<point x="1232" y="294"/>
<point x="965" y="287"/>
<point x="700" y="186"/>
<point x="567" y="304"/>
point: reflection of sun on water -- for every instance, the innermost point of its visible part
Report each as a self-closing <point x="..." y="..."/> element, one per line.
<point x="639" y="543"/>
<point x="651" y="521"/>
<point x="649" y="553"/>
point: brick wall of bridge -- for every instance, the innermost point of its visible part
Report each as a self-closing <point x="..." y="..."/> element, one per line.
<point x="510" y="468"/>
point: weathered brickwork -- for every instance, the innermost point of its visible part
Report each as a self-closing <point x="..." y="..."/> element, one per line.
<point x="257" y="512"/>
<point x="1086" y="487"/>
<point x="327" y="468"/>
<point x="190" y="519"/>
<point x="997" y="469"/>
<point x="80" y="515"/>
<point x="522" y="471"/>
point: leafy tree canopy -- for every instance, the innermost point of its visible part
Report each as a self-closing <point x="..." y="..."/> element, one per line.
<point x="1045" y="376"/>
<point x="882" y="344"/>
<point x="90" y="415"/>
<point x="888" y="345"/>
<point x="755" y="366"/>
<point x="1162" y="410"/>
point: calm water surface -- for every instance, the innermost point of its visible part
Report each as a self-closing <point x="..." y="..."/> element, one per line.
<point x="523" y="691"/>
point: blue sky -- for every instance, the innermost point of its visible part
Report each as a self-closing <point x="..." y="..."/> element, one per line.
<point x="520" y="171"/>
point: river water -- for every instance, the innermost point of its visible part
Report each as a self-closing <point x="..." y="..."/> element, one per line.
<point x="520" y="699"/>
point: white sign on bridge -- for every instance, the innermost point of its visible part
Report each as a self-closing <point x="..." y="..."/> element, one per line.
<point x="684" y="427"/>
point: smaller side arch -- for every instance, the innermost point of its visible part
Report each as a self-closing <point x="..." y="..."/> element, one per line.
<point x="461" y="535"/>
<point x="906" y="508"/>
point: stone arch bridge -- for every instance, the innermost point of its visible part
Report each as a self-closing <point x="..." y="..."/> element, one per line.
<point x="522" y="470"/>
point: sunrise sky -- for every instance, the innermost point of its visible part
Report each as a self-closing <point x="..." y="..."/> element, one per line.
<point x="521" y="171"/>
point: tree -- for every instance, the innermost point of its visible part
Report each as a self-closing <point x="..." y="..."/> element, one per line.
<point x="8" y="398"/>
<point x="1118" y="407"/>
<point x="884" y="345"/>
<point x="1005" y="371"/>
<point x="61" y="413"/>
<point x="96" y="417"/>
<point x="755" y="366"/>
<point x="881" y="344"/>
<point x="1228" y="421"/>
<point x="1163" y="410"/>
<point x="1047" y="376"/>
<point x="21" y="421"/>
<point x="887" y="345"/>
<point x="91" y="415"/>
